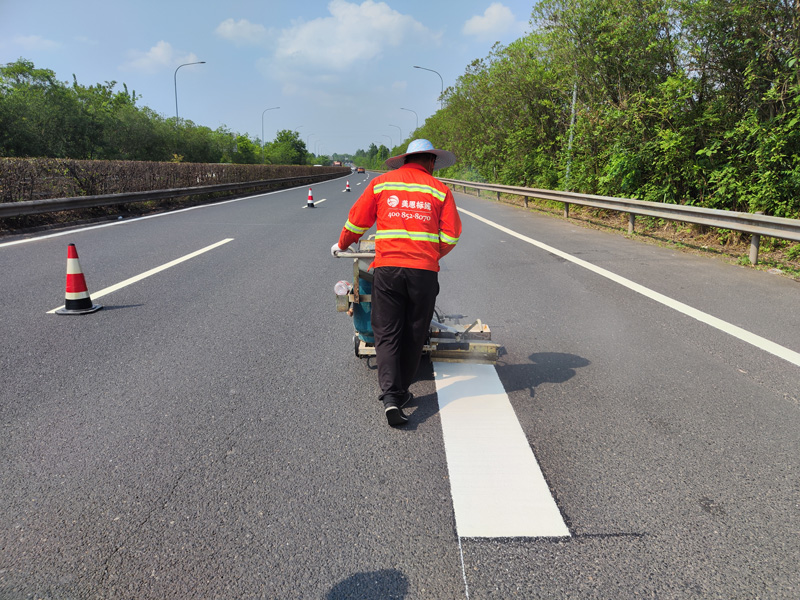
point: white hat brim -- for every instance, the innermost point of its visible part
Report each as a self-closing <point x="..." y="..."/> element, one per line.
<point x="444" y="159"/>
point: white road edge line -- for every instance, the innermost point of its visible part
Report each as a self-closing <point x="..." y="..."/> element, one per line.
<point x="146" y="274"/>
<point x="497" y="486"/>
<point x="737" y="332"/>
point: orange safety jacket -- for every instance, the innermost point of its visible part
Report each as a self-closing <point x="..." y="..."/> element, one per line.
<point x="418" y="222"/>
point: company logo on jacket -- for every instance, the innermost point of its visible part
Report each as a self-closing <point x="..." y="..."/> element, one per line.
<point x="393" y="201"/>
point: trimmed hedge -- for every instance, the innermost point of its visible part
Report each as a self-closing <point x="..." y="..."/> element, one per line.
<point x="42" y="178"/>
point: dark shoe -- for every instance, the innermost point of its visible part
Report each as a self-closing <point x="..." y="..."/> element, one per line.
<point x="406" y="399"/>
<point x="395" y="416"/>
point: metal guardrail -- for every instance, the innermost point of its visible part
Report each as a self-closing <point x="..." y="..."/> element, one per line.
<point x="36" y="207"/>
<point x="754" y="224"/>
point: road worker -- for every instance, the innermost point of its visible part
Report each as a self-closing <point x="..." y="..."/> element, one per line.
<point x="417" y="224"/>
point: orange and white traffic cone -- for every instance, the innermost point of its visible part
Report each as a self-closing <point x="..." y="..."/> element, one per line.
<point x="347" y="187"/>
<point x="78" y="301"/>
<point x="310" y="199"/>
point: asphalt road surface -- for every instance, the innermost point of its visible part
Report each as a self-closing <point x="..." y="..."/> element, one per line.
<point x="210" y="434"/>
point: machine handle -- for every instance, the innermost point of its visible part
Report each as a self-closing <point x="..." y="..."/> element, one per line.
<point x="355" y="254"/>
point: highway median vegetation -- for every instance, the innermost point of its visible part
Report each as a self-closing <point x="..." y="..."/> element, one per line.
<point x="43" y="178"/>
<point x="26" y="179"/>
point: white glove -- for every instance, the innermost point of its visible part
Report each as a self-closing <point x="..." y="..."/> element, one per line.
<point x="335" y="248"/>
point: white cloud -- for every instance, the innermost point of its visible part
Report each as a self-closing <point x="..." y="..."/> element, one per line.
<point x="31" y="43"/>
<point x="353" y="33"/>
<point x="495" y="21"/>
<point x="160" y="56"/>
<point x="242" y="32"/>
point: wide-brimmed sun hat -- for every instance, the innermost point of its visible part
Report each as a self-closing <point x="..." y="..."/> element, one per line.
<point x="444" y="158"/>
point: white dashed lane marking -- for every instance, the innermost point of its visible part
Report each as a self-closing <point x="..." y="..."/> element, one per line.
<point x="127" y="282"/>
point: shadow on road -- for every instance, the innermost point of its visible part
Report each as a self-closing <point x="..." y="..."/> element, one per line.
<point x="545" y="367"/>
<point x="388" y="584"/>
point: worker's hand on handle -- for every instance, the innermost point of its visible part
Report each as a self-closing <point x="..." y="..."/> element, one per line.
<point x="335" y="248"/>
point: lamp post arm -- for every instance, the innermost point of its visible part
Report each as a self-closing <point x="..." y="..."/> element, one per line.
<point x="440" y="79"/>
<point x="415" y="115"/>
<point x="175" y="81"/>
<point x="398" y="129"/>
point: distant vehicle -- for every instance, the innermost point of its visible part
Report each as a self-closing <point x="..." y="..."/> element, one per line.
<point x="337" y="163"/>
<point x="360" y="170"/>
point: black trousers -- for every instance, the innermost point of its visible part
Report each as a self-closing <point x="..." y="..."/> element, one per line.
<point x="402" y="307"/>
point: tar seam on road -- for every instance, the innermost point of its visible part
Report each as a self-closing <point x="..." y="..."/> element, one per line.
<point x="463" y="568"/>
<point x="737" y="332"/>
<point x="136" y="278"/>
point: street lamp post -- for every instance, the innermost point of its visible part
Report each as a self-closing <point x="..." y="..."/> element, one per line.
<point x="571" y="132"/>
<point x="440" y="78"/>
<point x="262" y="129"/>
<point x="391" y="144"/>
<point x="415" y="115"/>
<point x="398" y="129"/>
<point x="175" y="78"/>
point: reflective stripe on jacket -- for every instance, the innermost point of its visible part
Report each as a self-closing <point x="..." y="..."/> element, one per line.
<point x="417" y="219"/>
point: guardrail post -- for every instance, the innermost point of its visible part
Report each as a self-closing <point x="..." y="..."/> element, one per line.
<point x="526" y="202"/>
<point x="498" y="196"/>
<point x="566" y="210"/>
<point x="755" y="242"/>
<point x="631" y="222"/>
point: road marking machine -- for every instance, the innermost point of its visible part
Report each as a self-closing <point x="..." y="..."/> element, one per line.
<point x="452" y="342"/>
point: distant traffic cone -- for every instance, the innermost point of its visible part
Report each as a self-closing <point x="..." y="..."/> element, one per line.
<point x="310" y="199"/>
<point x="347" y="187"/>
<point x="78" y="301"/>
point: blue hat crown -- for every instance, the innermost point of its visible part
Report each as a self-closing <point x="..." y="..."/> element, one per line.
<point x="419" y="145"/>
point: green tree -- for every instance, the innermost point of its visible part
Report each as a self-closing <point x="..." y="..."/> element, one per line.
<point x="40" y="116"/>
<point x="246" y="152"/>
<point x="36" y="110"/>
<point x="287" y="149"/>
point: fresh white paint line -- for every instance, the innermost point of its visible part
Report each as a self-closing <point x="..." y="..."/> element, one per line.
<point x="737" y="332"/>
<point x="127" y="282"/>
<point x="315" y="202"/>
<point x="497" y="486"/>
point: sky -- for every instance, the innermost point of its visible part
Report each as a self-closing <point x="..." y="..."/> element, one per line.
<point x="341" y="71"/>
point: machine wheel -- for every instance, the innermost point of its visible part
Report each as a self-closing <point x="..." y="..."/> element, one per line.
<point x="356" y="344"/>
